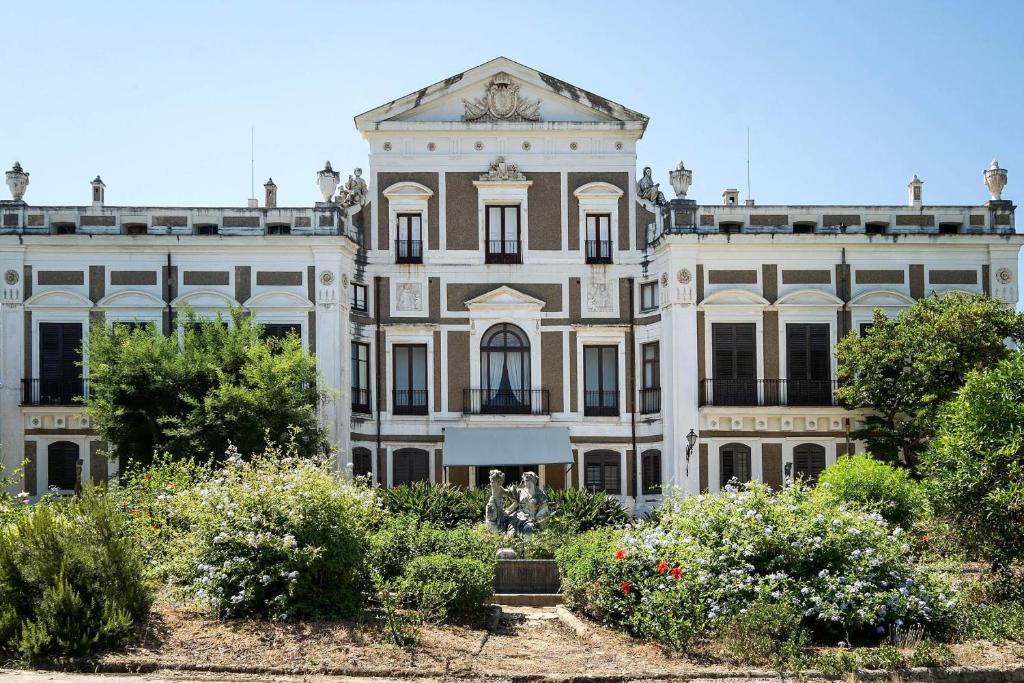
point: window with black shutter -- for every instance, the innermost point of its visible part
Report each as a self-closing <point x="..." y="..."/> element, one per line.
<point x="865" y="328"/>
<point x="281" y="330"/>
<point x="362" y="462"/>
<point x="601" y="471"/>
<point x="650" y="472"/>
<point x="734" y="364"/>
<point x="808" y="364"/>
<point x="410" y="465"/>
<point x="60" y="359"/>
<point x="62" y="465"/>
<point x="808" y="461"/>
<point x="734" y="463"/>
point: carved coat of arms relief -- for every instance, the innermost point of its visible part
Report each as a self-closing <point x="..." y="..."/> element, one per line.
<point x="501" y="102"/>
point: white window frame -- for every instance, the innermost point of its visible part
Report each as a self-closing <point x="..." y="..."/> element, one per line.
<point x="504" y="193"/>
<point x="598" y="198"/>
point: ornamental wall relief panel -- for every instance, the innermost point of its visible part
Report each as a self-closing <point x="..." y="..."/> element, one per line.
<point x="409" y="297"/>
<point x="599" y="298"/>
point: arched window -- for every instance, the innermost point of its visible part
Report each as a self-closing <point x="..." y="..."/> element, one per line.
<point x="362" y="462"/>
<point x="410" y="465"/>
<point x="601" y="471"/>
<point x="505" y="369"/>
<point x="650" y="472"/>
<point x="734" y="463"/>
<point x="62" y="465"/>
<point x="808" y="461"/>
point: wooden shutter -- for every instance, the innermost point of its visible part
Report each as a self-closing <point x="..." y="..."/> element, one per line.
<point x="733" y="350"/>
<point x="809" y="461"/>
<point x="807" y="352"/>
<point x="62" y="465"/>
<point x="362" y="462"/>
<point x="60" y="351"/>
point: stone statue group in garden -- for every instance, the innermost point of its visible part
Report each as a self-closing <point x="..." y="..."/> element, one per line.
<point x="527" y="512"/>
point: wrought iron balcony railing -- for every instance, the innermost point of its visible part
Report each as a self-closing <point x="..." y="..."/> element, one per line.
<point x="408" y="251"/>
<point x="767" y="392"/>
<point x="601" y="403"/>
<point x="361" y="401"/>
<point x="599" y="251"/>
<point x="504" y="251"/>
<point x="53" y="392"/>
<point x="505" y="402"/>
<point x="650" y="400"/>
<point x="409" y="401"/>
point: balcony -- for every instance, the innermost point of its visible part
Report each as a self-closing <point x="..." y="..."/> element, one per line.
<point x="650" y="400"/>
<point x="53" y="392"/>
<point x="599" y="251"/>
<point x="505" y="402"/>
<point x="601" y="403"/>
<point x="361" y="401"/>
<point x="409" y="401"/>
<point x="503" y="251"/>
<point x="767" y="392"/>
<point x="408" y="251"/>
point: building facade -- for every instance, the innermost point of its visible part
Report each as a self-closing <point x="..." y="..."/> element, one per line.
<point x="502" y="268"/>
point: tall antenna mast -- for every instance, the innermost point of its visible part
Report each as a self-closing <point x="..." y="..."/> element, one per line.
<point x="252" y="161"/>
<point x="748" y="162"/>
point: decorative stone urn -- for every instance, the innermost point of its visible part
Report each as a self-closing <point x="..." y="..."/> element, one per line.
<point x="327" y="180"/>
<point x="995" y="180"/>
<point x="681" y="177"/>
<point x="17" y="181"/>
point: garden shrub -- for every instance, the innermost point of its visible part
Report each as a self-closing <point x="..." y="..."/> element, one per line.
<point x="884" y="657"/>
<point x="277" y="536"/>
<point x="975" y="465"/>
<point x="932" y="654"/>
<point x="861" y="480"/>
<point x="437" y="504"/>
<point x="847" y="572"/>
<point x="70" y="579"/>
<point x="577" y="510"/>
<point x="764" y="632"/>
<point x="440" y="586"/>
<point x="401" y="539"/>
<point x="997" y="622"/>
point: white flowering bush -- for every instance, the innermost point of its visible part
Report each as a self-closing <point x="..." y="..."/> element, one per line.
<point x="708" y="558"/>
<point x="276" y="536"/>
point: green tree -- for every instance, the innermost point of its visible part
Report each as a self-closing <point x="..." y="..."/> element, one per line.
<point x="219" y="383"/>
<point x="904" y="369"/>
<point x="975" y="465"/>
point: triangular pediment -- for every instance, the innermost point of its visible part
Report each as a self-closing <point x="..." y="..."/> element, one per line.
<point x="496" y="92"/>
<point x="504" y="297"/>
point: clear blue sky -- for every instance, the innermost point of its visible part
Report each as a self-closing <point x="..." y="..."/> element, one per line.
<point x="845" y="101"/>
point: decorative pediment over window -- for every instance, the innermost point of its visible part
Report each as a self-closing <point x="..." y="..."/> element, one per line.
<point x="809" y="297"/>
<point x="881" y="298"/>
<point x="278" y="301"/>
<point x="502" y="171"/>
<point x="408" y="190"/>
<point x="130" y="299"/>
<point x="504" y="298"/>
<point x="734" y="297"/>
<point x="57" y="298"/>
<point x="204" y="299"/>
<point x="597" y="191"/>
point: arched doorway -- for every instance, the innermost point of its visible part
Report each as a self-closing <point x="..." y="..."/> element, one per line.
<point x="62" y="465"/>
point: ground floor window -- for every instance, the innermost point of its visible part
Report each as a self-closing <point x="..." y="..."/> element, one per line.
<point x="808" y="461"/>
<point x="410" y="465"/>
<point x="62" y="465"/>
<point x="734" y="463"/>
<point x="362" y="462"/>
<point x="601" y="471"/>
<point x="513" y="474"/>
<point x="650" y="472"/>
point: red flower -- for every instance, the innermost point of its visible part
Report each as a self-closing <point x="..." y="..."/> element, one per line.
<point x="676" y="573"/>
<point x="626" y="587"/>
<point x="147" y="476"/>
<point x="170" y="485"/>
<point x="925" y="538"/>
<point x="662" y="567"/>
<point x="620" y="554"/>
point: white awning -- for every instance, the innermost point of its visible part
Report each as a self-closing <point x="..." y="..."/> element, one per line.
<point x="489" y="446"/>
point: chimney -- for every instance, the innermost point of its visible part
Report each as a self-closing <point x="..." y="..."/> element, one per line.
<point x="914" y="192"/>
<point x="270" y="194"/>
<point x="730" y="197"/>
<point x="252" y="203"/>
<point x="98" y="188"/>
<point x="748" y="201"/>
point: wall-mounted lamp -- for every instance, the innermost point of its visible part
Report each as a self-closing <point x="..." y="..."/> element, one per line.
<point x="691" y="440"/>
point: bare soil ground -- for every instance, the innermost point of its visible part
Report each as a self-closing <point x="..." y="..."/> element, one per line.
<point x="527" y="641"/>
